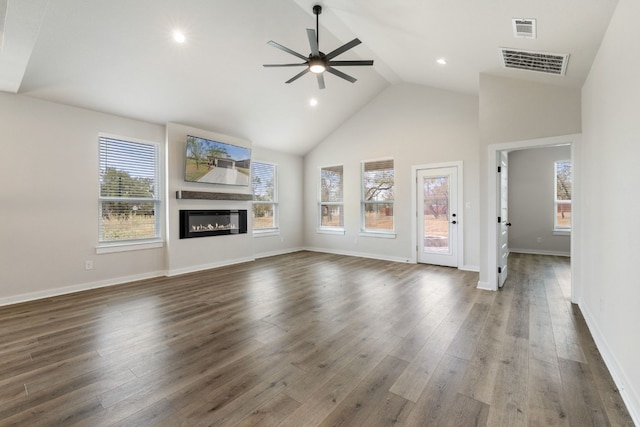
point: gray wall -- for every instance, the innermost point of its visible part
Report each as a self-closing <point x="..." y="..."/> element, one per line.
<point x="531" y="201"/>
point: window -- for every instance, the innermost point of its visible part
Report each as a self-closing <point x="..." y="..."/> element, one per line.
<point x="377" y="196"/>
<point x="129" y="191"/>
<point x="265" y="196"/>
<point x="331" y="203"/>
<point x="562" y="205"/>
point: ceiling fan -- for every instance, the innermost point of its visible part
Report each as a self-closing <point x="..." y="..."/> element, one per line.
<point x="318" y="62"/>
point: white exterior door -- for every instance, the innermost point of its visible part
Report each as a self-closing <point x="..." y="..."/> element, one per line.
<point x="438" y="218"/>
<point x="503" y="211"/>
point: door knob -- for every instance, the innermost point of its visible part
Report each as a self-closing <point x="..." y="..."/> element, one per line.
<point x="454" y="222"/>
<point x="508" y="224"/>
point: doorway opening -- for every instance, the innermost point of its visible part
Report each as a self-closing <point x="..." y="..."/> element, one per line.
<point x="499" y="222"/>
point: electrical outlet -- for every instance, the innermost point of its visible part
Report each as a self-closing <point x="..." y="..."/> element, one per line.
<point x="88" y="265"/>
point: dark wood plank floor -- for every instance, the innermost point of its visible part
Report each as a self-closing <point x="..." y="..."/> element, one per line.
<point x="310" y="339"/>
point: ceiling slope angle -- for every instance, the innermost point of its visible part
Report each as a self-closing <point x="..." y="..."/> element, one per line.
<point x="20" y="23"/>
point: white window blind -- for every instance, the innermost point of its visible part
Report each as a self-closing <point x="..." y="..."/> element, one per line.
<point x="562" y="203"/>
<point x="265" y="196"/>
<point x="331" y="199"/>
<point x="129" y="190"/>
<point x="377" y="196"/>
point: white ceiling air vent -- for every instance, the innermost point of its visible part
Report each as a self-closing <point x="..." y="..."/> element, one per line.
<point x="542" y="62"/>
<point x="3" y="18"/>
<point x="524" y="28"/>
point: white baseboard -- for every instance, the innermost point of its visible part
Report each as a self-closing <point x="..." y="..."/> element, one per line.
<point x="629" y="395"/>
<point x="539" y="252"/>
<point x="201" y="267"/>
<point x="49" y="293"/>
<point x="358" y="254"/>
<point x="276" y="253"/>
<point x="475" y="268"/>
<point x="485" y="286"/>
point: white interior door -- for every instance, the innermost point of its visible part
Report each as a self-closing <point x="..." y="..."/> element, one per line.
<point x="438" y="219"/>
<point x="503" y="211"/>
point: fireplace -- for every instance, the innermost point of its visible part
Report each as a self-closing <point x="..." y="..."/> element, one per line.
<point x="203" y="223"/>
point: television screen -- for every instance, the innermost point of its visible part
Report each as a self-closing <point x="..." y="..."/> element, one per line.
<point x="215" y="162"/>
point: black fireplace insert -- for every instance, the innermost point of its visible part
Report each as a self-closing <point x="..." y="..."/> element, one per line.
<point x="203" y="223"/>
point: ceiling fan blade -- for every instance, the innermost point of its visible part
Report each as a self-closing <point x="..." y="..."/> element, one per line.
<point x="341" y="74"/>
<point x="284" y="65"/>
<point x="345" y="47"/>
<point x="320" y="81"/>
<point x="297" y="76"/>
<point x="313" y="42"/>
<point x="286" y="49"/>
<point x="342" y="63"/>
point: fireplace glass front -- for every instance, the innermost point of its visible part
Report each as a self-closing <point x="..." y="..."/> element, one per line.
<point x="202" y="223"/>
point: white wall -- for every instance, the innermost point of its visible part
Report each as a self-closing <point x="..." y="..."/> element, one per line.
<point x="611" y="179"/>
<point x="49" y="200"/>
<point x="49" y="203"/>
<point x="514" y="110"/>
<point x="185" y="255"/>
<point x="290" y="197"/>
<point x="531" y="201"/>
<point x="414" y="125"/>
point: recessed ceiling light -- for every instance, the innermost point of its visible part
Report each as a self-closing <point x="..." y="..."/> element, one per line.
<point x="313" y="102"/>
<point x="441" y="61"/>
<point x="179" y="36"/>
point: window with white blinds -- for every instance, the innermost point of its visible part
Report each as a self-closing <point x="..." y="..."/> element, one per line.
<point x="562" y="202"/>
<point x="129" y="190"/>
<point x="264" y="183"/>
<point x="377" y="196"/>
<point x="331" y="205"/>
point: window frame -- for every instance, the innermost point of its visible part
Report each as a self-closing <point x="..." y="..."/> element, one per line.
<point x="109" y="246"/>
<point x="327" y="229"/>
<point x="375" y="232"/>
<point x="559" y="229"/>
<point x="275" y="230"/>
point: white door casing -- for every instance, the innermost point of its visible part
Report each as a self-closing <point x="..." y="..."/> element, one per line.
<point x="503" y="211"/>
<point x="490" y="269"/>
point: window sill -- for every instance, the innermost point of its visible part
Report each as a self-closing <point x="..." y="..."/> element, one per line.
<point x="562" y="232"/>
<point x="107" y="248"/>
<point x="334" y="231"/>
<point x="379" y="234"/>
<point x="266" y="233"/>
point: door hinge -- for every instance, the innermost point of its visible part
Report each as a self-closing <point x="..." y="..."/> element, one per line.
<point x="499" y="220"/>
<point x="499" y="270"/>
<point x="499" y="169"/>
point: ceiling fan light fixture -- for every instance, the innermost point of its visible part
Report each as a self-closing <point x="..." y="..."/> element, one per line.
<point x="317" y="66"/>
<point x="318" y="62"/>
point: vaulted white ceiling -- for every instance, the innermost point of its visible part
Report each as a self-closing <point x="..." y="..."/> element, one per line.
<point x="118" y="56"/>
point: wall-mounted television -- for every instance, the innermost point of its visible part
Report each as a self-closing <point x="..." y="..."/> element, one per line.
<point x="215" y="162"/>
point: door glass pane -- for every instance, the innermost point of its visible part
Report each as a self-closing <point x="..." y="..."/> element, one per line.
<point x="436" y="214"/>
